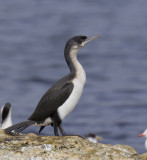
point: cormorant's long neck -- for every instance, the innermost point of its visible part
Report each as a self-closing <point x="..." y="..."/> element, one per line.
<point x="72" y="61"/>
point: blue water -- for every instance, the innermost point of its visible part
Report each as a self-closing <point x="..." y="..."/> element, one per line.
<point x="33" y="34"/>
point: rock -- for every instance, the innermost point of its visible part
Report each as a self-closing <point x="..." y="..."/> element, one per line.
<point x="33" y="147"/>
<point x="144" y="156"/>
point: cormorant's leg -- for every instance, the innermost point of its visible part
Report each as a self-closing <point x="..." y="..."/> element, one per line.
<point x="55" y="129"/>
<point x="61" y="130"/>
<point x="56" y="121"/>
<point x="41" y="128"/>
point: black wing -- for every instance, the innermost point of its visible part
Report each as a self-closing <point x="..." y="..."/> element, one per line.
<point x="5" y="111"/>
<point x="51" y="100"/>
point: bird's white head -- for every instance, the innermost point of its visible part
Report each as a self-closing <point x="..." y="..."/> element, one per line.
<point x="144" y="134"/>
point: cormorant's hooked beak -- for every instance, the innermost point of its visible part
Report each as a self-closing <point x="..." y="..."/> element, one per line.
<point x="90" y="39"/>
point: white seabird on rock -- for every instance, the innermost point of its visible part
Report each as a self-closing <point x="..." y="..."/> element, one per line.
<point x="93" y="138"/>
<point x="144" y="134"/>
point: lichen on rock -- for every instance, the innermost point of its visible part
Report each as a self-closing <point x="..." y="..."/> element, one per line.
<point x="33" y="147"/>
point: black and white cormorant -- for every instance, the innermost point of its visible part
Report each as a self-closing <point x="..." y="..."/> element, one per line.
<point x="6" y="119"/>
<point x="63" y="96"/>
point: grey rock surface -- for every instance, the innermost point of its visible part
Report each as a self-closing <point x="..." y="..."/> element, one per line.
<point x="33" y="147"/>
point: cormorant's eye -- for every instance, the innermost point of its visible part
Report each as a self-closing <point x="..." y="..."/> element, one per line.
<point x="83" y="38"/>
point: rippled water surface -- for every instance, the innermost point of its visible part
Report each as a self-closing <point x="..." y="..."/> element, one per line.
<point x="32" y="38"/>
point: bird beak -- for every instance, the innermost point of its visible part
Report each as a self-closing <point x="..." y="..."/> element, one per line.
<point x="99" y="138"/>
<point x="141" y="135"/>
<point x="90" y="39"/>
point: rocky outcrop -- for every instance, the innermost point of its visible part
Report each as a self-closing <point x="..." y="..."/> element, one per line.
<point x="144" y="156"/>
<point x="33" y="147"/>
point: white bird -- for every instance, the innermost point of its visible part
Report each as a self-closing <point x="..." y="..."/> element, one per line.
<point x="93" y="138"/>
<point x="144" y="134"/>
<point x="6" y="120"/>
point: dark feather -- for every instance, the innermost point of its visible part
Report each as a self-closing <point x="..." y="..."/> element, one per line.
<point x="52" y="99"/>
<point x="5" y="111"/>
<point x="16" y="128"/>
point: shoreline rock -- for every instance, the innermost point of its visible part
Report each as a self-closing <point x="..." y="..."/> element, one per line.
<point x="33" y="147"/>
<point x="144" y="156"/>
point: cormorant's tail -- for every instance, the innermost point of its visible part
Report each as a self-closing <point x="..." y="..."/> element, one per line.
<point x="16" y="128"/>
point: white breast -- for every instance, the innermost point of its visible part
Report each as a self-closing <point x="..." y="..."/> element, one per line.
<point x="92" y="139"/>
<point x="74" y="98"/>
<point x="146" y="144"/>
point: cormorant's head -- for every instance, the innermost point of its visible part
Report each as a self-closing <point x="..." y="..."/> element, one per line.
<point x="78" y="41"/>
<point x="5" y="111"/>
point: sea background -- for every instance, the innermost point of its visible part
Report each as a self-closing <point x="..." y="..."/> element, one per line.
<point x="33" y="34"/>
